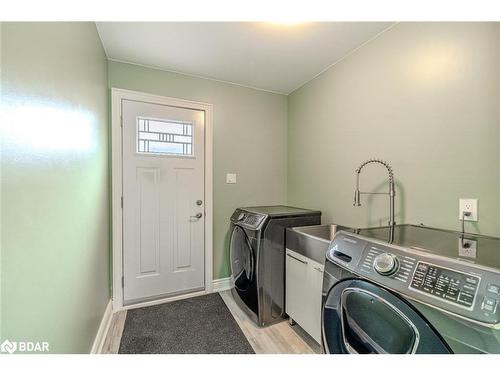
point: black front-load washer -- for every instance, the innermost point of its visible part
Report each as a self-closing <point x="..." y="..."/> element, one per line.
<point x="257" y="258"/>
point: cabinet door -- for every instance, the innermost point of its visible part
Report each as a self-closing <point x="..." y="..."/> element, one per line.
<point x="304" y="282"/>
<point x="296" y="286"/>
<point x="315" y="280"/>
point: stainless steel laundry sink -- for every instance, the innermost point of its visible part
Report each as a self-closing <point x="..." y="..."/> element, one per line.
<point x="312" y="241"/>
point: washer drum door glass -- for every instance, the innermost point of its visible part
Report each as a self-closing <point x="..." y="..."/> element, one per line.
<point x="242" y="259"/>
<point x="361" y="317"/>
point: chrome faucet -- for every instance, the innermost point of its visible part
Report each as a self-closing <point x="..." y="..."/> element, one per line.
<point x="391" y="193"/>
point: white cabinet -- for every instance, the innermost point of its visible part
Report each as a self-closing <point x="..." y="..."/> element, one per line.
<point x="304" y="280"/>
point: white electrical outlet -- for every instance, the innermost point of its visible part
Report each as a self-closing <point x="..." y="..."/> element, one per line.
<point x="467" y="248"/>
<point x="468" y="205"/>
<point x="230" y="178"/>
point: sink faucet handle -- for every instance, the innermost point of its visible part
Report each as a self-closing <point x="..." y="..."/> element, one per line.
<point x="357" y="200"/>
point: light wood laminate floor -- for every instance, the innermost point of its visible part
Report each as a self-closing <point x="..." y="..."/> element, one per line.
<point x="280" y="338"/>
<point x="114" y="335"/>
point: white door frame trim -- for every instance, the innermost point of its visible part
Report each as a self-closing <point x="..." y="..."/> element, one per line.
<point x="117" y="96"/>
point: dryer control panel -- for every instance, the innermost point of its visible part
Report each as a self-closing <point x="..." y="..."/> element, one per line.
<point x="446" y="283"/>
<point x="247" y="219"/>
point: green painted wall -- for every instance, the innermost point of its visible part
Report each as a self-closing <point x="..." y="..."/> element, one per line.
<point x="55" y="221"/>
<point x="424" y="97"/>
<point x="249" y="139"/>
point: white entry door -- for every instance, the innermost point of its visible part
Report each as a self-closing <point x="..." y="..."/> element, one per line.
<point x="163" y="207"/>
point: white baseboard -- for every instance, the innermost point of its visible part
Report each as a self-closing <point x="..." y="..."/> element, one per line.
<point x="222" y="284"/>
<point x="103" y="329"/>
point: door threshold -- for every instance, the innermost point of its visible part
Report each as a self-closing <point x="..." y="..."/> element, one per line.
<point x="160" y="300"/>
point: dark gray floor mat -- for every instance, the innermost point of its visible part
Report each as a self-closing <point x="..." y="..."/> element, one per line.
<point x="196" y="325"/>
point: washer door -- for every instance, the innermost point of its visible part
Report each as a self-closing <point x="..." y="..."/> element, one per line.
<point x="242" y="259"/>
<point x="361" y="317"/>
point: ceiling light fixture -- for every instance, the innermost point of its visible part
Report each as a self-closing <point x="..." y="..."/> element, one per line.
<point x="285" y="22"/>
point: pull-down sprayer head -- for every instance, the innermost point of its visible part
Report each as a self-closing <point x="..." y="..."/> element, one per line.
<point x="391" y="193"/>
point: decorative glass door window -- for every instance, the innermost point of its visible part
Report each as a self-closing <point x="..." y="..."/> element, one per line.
<point x="156" y="136"/>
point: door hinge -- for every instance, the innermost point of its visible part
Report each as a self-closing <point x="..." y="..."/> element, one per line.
<point x="121" y="121"/>
<point x="123" y="282"/>
<point x="121" y="202"/>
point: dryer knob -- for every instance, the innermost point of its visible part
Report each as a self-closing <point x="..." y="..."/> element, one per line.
<point x="386" y="264"/>
<point x="241" y="216"/>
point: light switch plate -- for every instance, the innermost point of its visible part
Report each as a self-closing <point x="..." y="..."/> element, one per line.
<point x="469" y="205"/>
<point x="230" y="178"/>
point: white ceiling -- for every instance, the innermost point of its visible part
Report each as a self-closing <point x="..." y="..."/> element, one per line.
<point x="268" y="56"/>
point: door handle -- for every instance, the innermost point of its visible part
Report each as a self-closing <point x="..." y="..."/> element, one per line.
<point x="199" y="215"/>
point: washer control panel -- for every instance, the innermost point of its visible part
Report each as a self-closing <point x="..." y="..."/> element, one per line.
<point x="449" y="285"/>
<point x="379" y="258"/>
<point x="446" y="283"/>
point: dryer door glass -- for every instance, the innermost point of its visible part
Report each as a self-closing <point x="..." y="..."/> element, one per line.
<point x="242" y="259"/>
<point x="361" y="317"/>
